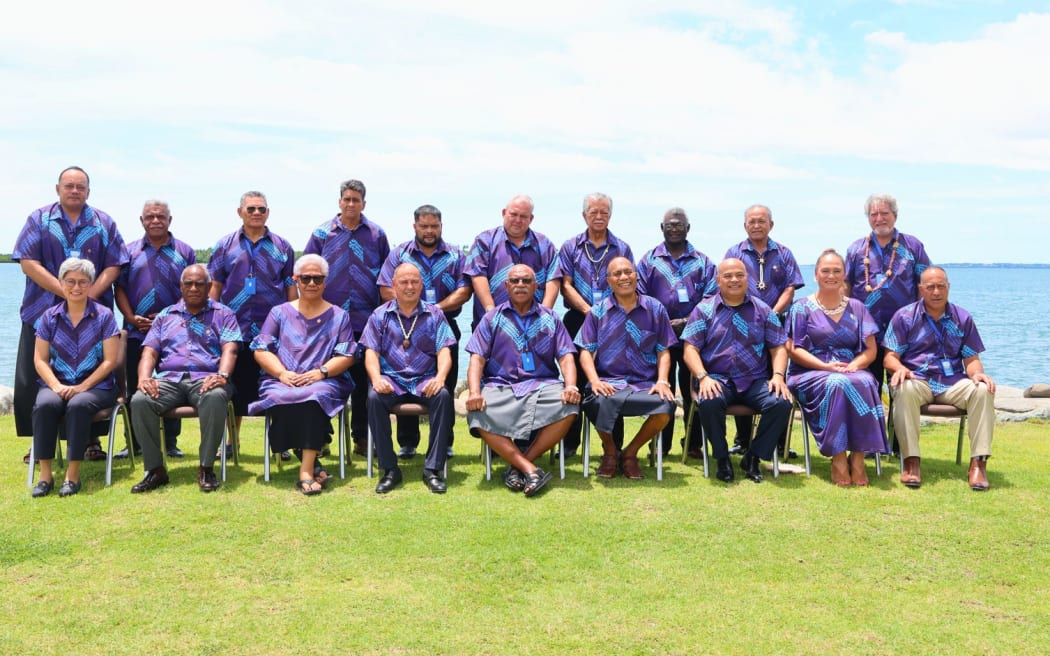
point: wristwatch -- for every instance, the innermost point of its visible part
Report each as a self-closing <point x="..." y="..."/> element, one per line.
<point x="324" y="371"/>
<point x="225" y="375"/>
<point x="700" y="376"/>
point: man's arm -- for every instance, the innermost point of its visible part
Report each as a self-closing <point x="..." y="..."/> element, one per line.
<point x="709" y="388"/>
<point x="36" y="272"/>
<point x="475" y="369"/>
<point x="662" y="387"/>
<point x="216" y="290"/>
<point x="226" y="362"/>
<point x="450" y="303"/>
<point x="892" y="363"/>
<point x="778" y="383"/>
<point x="785" y="299"/>
<point x="444" y="365"/>
<point x="975" y="371"/>
<point x="103" y="281"/>
<point x="571" y="393"/>
<point x="573" y="297"/>
<point x="386" y="293"/>
<point x="482" y="292"/>
<point x="379" y="384"/>
<point x="550" y="293"/>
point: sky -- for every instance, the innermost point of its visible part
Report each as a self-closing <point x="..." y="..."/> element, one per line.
<point x="707" y="105"/>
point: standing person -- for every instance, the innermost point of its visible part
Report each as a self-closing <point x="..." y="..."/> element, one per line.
<point x="74" y="355"/>
<point x="444" y="284"/>
<point x="582" y="264"/>
<point x="51" y="235"/>
<point x="831" y="341"/>
<point x="679" y="276"/>
<point x="933" y="356"/>
<point x="355" y="249"/>
<point x="498" y="249"/>
<point x="883" y="269"/>
<point x="148" y="283"/>
<point x="407" y="358"/>
<point x="624" y="354"/>
<point x="251" y="273"/>
<point x="772" y="276"/>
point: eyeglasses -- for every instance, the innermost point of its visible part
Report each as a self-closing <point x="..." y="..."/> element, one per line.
<point x="253" y="209"/>
<point x="194" y="284"/>
<point x="311" y="280"/>
<point x="675" y="225"/>
<point x="521" y="281"/>
<point x="71" y="283"/>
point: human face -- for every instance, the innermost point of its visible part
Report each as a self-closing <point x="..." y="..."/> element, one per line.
<point x="830" y="273"/>
<point x="254" y="212"/>
<point x="675" y="230"/>
<point x="309" y="286"/>
<point x="732" y="280"/>
<point x="517" y="217"/>
<point x="521" y="284"/>
<point x="76" y="285"/>
<point x="622" y="278"/>
<point x="933" y="288"/>
<point x="428" y="230"/>
<point x="156" y="220"/>
<point x="73" y="191"/>
<point x="351" y="204"/>
<point x="757" y="224"/>
<point x="881" y="219"/>
<point x="194" y="287"/>
<point x="407" y="285"/>
<point x="597" y="215"/>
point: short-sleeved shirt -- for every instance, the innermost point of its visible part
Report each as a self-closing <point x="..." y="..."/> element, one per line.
<point x="493" y="254"/>
<point x="734" y="342"/>
<point x="503" y="336"/>
<point x="776" y="267"/>
<point x="442" y="272"/>
<point x="269" y="261"/>
<point x="625" y="345"/>
<point x="76" y="351"/>
<point x="887" y="294"/>
<point x="191" y="344"/>
<point x="355" y="258"/>
<point x="408" y="368"/>
<point x="151" y="277"/>
<point x="49" y="238"/>
<point x="922" y="343"/>
<point x="585" y="264"/>
<point x="667" y="279"/>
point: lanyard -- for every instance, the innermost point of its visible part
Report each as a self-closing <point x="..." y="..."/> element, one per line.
<point x="251" y="249"/>
<point x="523" y="324"/>
<point x="940" y="334"/>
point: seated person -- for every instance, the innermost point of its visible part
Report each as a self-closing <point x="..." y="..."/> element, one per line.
<point x="831" y="342"/>
<point x="517" y="350"/>
<point x="933" y="354"/>
<point x="623" y="352"/>
<point x="407" y="360"/>
<point x="303" y="349"/>
<point x="728" y="338"/>
<point x="191" y="347"/>
<point x="76" y="350"/>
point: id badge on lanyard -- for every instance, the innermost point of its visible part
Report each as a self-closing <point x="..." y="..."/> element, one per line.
<point x="683" y="293"/>
<point x="528" y="363"/>
<point x="430" y="295"/>
<point x="249" y="285"/>
<point x="946" y="367"/>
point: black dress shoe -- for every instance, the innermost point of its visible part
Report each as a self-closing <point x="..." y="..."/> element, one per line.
<point x="154" y="478"/>
<point x="42" y="489"/>
<point x="69" y="488"/>
<point x="750" y="466"/>
<point x="724" y="471"/>
<point x="391" y="479"/>
<point x="206" y="480"/>
<point x="174" y="452"/>
<point x="434" y="482"/>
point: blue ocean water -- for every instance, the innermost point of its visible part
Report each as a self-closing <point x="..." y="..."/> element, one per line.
<point x="1007" y="303"/>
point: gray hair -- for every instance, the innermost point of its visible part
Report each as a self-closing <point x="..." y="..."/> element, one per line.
<point x="769" y="212"/>
<point x="76" y="264"/>
<point x="596" y="196"/>
<point x="162" y="203"/>
<point x="525" y="197"/>
<point x="204" y="269"/>
<point x="352" y="185"/>
<point x="310" y="258"/>
<point x="880" y="198"/>
<point x="425" y="210"/>
<point x="75" y="168"/>
<point x="675" y="213"/>
<point x="252" y="194"/>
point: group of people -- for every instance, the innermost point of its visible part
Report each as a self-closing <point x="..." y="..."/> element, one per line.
<point x="353" y="319"/>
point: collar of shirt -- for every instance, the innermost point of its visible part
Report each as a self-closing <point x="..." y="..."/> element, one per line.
<point x="392" y="307"/>
<point x="718" y="300"/>
<point x="770" y="245"/>
<point x="661" y="251"/>
<point x="526" y="243"/>
<point x="90" y="310"/>
<point x="180" y="307"/>
<point x="338" y="225"/>
<point x="441" y="248"/>
<point x="266" y="235"/>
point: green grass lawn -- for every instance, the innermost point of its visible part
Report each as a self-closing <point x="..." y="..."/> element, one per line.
<point x="683" y="566"/>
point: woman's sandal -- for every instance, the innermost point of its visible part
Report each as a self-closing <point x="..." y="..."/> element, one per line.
<point x="321" y="474"/>
<point x="535" y="480"/>
<point x="306" y="487"/>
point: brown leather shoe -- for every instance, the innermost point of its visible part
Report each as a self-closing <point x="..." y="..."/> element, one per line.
<point x="978" y="474"/>
<point x="206" y="480"/>
<point x="608" y="466"/>
<point x="911" y="476"/>
<point x="631" y="469"/>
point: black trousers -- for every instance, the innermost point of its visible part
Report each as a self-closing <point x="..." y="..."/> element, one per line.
<point x="408" y="427"/>
<point x="573" y="321"/>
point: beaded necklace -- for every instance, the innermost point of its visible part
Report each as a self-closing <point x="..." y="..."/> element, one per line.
<point x="889" y="268"/>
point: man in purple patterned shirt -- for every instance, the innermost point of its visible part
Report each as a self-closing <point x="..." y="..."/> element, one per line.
<point x="407" y="359"/>
<point x="187" y="357"/>
<point x="727" y="341"/>
<point x="523" y="409"/>
<point x="444" y="284"/>
<point x="772" y="276"/>
<point x="624" y="344"/>
<point x="147" y="284"/>
<point x="52" y="234"/>
<point x="679" y="276"/>
<point x="355" y="249"/>
<point x="933" y="356"/>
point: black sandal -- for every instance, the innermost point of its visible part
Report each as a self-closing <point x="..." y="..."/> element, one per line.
<point x="318" y="471"/>
<point x="94" y="453"/>
<point x="513" y="479"/>
<point x="305" y="486"/>
<point x="535" y="480"/>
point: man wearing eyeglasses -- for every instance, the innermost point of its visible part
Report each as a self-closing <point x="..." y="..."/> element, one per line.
<point x="679" y="276"/>
<point x="52" y="234"/>
<point x="355" y="248"/>
<point x="933" y="356"/>
<point x="517" y="404"/>
<point x="251" y="272"/>
<point x="187" y="357"/>
<point x="444" y="284"/>
<point x="147" y="284"/>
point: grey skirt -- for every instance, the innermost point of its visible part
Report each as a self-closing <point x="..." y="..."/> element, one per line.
<point x="517" y="418"/>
